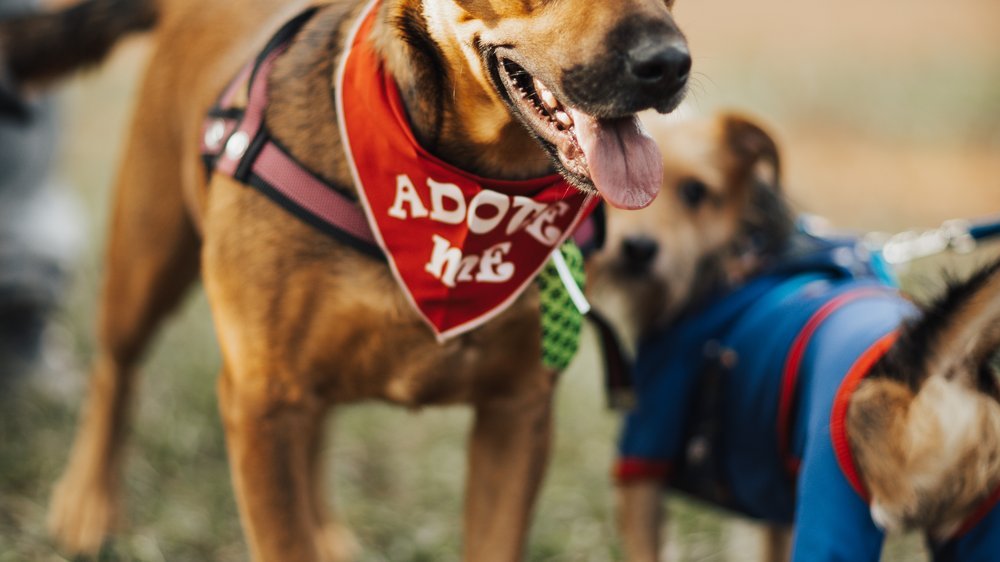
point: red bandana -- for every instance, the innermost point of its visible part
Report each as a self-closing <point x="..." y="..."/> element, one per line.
<point x="461" y="246"/>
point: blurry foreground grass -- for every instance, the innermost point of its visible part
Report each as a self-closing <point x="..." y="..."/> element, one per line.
<point x="396" y="476"/>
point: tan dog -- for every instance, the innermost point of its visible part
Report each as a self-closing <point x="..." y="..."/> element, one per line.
<point x="720" y="190"/>
<point x="719" y="218"/>
<point x="923" y="425"/>
<point x="503" y="89"/>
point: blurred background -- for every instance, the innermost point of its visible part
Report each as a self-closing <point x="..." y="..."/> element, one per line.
<point x="888" y="115"/>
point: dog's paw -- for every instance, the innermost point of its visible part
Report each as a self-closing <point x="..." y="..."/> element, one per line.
<point x="336" y="543"/>
<point x="81" y="514"/>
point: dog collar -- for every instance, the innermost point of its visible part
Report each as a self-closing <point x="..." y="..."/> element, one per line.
<point x="462" y="247"/>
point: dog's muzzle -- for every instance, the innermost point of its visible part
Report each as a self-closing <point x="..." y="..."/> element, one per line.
<point x="646" y="66"/>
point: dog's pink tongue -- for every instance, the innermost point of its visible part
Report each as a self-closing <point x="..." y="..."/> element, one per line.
<point x="624" y="161"/>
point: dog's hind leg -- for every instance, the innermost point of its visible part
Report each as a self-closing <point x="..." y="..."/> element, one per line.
<point x="508" y="453"/>
<point x="152" y="259"/>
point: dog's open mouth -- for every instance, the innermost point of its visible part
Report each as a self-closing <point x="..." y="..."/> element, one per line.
<point x="615" y="156"/>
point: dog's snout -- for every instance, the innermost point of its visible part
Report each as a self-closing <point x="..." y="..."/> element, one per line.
<point x="659" y="63"/>
<point x="642" y="63"/>
<point x="639" y="251"/>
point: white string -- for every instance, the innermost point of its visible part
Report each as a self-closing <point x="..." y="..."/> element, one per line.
<point x="575" y="294"/>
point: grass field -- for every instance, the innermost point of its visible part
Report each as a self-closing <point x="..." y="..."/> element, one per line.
<point x="889" y="116"/>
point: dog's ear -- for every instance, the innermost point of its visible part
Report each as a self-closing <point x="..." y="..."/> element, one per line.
<point x="767" y="221"/>
<point x="755" y="149"/>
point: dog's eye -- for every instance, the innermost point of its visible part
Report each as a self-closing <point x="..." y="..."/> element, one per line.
<point x="693" y="192"/>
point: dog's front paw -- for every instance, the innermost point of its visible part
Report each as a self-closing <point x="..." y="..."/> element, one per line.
<point x="82" y="513"/>
<point x="336" y="543"/>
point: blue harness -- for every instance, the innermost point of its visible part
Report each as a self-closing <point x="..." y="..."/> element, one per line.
<point x="734" y="400"/>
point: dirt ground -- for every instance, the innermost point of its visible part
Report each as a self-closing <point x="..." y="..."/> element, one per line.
<point x="888" y="114"/>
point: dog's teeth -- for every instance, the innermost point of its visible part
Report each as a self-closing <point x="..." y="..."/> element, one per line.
<point x="538" y="85"/>
<point x="549" y="99"/>
<point x="564" y="118"/>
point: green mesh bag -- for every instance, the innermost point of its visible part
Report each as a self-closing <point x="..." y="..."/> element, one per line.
<point x="561" y="319"/>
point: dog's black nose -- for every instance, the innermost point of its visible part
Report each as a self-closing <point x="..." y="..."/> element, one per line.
<point x="639" y="251"/>
<point x="659" y="63"/>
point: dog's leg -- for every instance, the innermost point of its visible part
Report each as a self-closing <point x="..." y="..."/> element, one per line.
<point x="335" y="540"/>
<point x="778" y="544"/>
<point x="272" y="431"/>
<point x="640" y="517"/>
<point x="152" y="259"/>
<point x="507" y="457"/>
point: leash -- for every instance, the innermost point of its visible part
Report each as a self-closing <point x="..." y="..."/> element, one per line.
<point x="960" y="236"/>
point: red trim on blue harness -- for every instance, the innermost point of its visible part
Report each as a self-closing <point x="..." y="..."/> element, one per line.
<point x="976" y="516"/>
<point x="632" y="469"/>
<point x="793" y="365"/>
<point x="838" y="416"/>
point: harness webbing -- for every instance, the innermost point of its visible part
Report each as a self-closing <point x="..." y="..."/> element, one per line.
<point x="237" y="143"/>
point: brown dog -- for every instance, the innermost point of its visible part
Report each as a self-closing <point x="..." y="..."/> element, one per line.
<point x="720" y="190"/>
<point x="306" y="322"/>
<point x="902" y="431"/>
<point x="718" y="219"/>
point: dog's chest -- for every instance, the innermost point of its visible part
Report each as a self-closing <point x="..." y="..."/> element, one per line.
<point x="284" y="293"/>
<point x="403" y="363"/>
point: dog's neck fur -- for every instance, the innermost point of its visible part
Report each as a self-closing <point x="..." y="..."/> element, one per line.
<point x="451" y="114"/>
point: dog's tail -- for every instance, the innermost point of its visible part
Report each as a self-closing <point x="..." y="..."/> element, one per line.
<point x="43" y="46"/>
